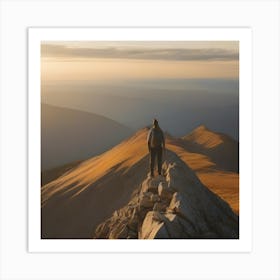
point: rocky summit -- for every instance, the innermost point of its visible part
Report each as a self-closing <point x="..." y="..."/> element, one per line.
<point x="112" y="195"/>
<point x="174" y="206"/>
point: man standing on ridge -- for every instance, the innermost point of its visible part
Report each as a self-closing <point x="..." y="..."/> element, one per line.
<point x="156" y="145"/>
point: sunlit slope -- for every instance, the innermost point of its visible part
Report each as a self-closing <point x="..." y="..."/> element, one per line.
<point x="224" y="184"/>
<point x="176" y="206"/>
<point x="75" y="203"/>
<point x="220" y="148"/>
<point x="215" y="158"/>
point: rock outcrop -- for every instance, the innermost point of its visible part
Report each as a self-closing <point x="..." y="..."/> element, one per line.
<point x="174" y="206"/>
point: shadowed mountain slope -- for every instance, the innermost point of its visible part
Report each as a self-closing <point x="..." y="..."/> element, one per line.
<point x="175" y="206"/>
<point x="53" y="173"/>
<point x="77" y="202"/>
<point x="69" y="135"/>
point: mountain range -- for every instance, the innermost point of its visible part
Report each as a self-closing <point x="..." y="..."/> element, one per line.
<point x="112" y="196"/>
<point x="69" y="135"/>
<point x="179" y="110"/>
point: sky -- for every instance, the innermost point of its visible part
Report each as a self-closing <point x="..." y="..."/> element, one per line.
<point x="109" y="61"/>
<point x="182" y="83"/>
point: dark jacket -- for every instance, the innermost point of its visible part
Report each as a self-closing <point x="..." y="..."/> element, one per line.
<point x="155" y="138"/>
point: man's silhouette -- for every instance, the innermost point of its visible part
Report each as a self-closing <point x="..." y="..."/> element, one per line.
<point x="156" y="145"/>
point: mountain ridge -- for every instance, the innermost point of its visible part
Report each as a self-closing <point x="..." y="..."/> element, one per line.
<point x="77" y="202"/>
<point x="219" y="147"/>
<point x="176" y="206"/>
<point x="207" y="138"/>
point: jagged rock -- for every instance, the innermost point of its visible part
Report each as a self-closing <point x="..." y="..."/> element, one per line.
<point x="102" y="231"/>
<point x="180" y="177"/>
<point x="165" y="226"/>
<point x="77" y="202"/>
<point x="151" y="185"/>
<point x="173" y="226"/>
<point x="122" y="224"/>
<point x="133" y="222"/>
<point x="119" y="232"/>
<point x="182" y="207"/>
<point x="155" y="198"/>
<point x="132" y="234"/>
<point x="160" y="206"/>
<point x="146" y="200"/>
<point x="153" y="226"/>
<point x="164" y="192"/>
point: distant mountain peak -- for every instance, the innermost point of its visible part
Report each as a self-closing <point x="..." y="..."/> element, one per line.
<point x="220" y="147"/>
<point x="205" y="137"/>
<point x="201" y="127"/>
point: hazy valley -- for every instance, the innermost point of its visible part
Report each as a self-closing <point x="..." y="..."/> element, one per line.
<point x="69" y="135"/>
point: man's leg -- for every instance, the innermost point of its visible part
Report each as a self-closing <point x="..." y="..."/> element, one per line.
<point x="159" y="159"/>
<point x="152" y="160"/>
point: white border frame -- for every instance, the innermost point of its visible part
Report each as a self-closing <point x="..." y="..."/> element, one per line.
<point x="262" y="16"/>
<point x="243" y="35"/>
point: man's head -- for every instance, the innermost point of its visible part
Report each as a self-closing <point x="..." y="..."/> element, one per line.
<point x="155" y="122"/>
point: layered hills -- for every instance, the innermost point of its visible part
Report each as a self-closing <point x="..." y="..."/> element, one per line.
<point x="69" y="135"/>
<point x="110" y="195"/>
<point x="211" y="102"/>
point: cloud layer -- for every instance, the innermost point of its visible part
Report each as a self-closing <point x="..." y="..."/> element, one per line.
<point x="175" y="54"/>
